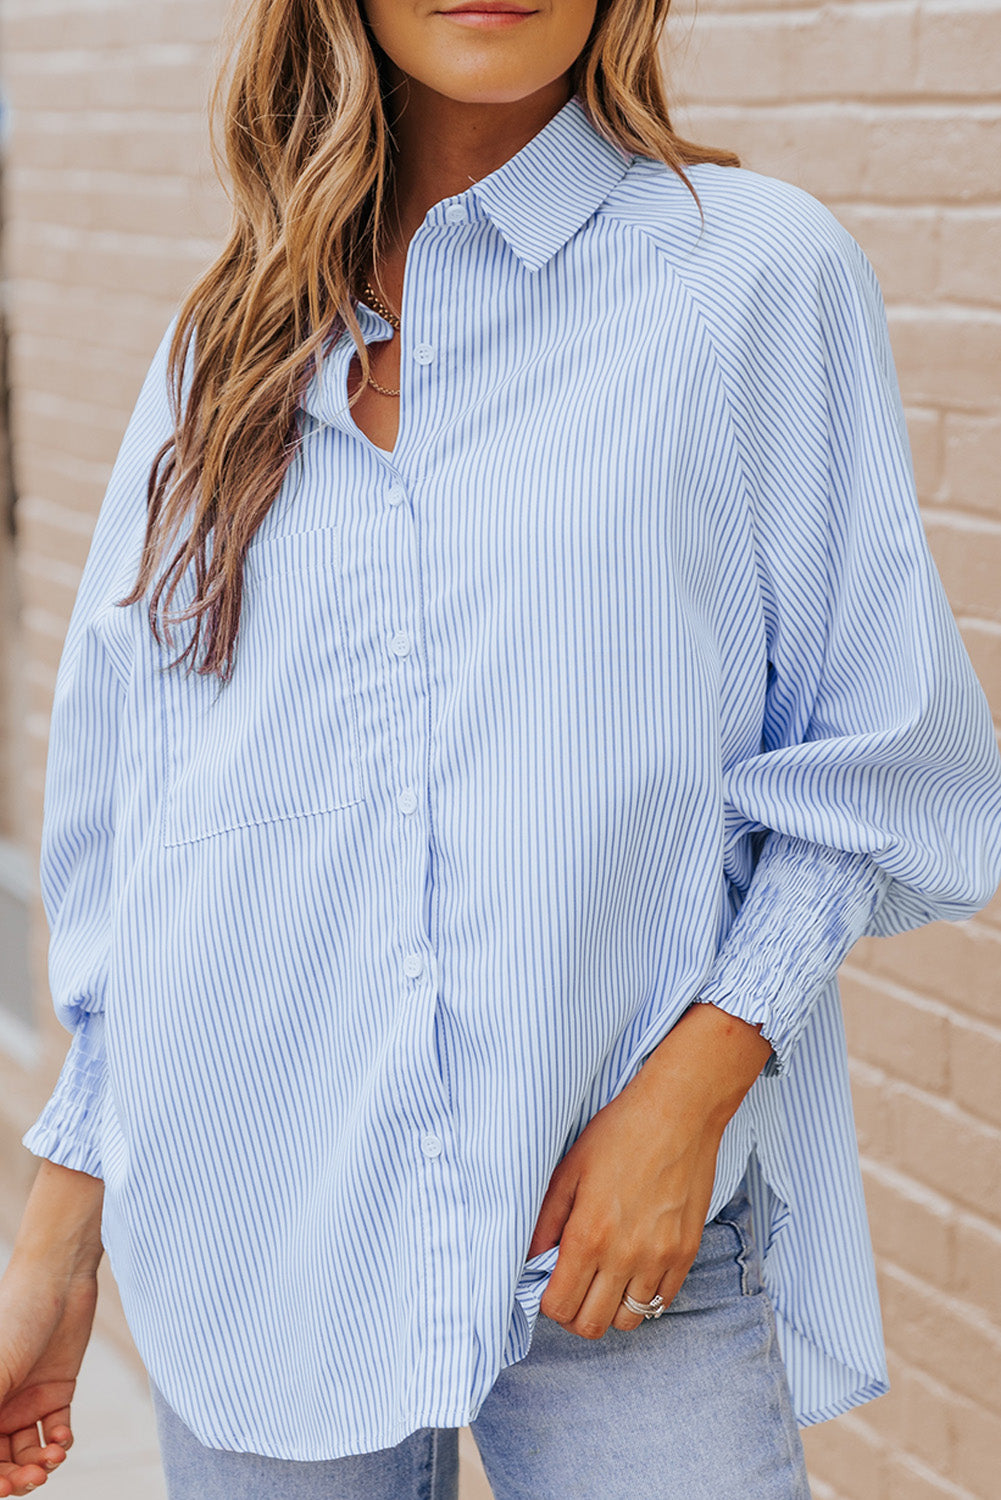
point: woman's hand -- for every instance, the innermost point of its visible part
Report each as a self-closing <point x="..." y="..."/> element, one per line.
<point x="48" y="1297"/>
<point x="45" y="1323"/>
<point x="627" y="1203"/>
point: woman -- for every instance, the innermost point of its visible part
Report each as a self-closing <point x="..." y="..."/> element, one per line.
<point x="467" y="950"/>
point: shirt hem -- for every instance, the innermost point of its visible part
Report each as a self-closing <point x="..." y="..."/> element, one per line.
<point x="876" y="1387"/>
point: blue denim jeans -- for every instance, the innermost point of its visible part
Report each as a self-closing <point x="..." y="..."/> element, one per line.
<point x="689" y="1406"/>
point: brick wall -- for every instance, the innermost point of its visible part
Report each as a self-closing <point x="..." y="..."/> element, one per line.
<point x="890" y="113"/>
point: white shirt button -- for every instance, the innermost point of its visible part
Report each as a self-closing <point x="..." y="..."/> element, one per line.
<point x="407" y="801"/>
<point x="395" y="495"/>
<point x="401" y="643"/>
<point x="412" y="965"/>
<point x="430" y="1145"/>
<point x="423" y="353"/>
<point x="455" y="213"/>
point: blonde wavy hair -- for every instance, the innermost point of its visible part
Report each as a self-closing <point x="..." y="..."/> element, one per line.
<point x="307" y="145"/>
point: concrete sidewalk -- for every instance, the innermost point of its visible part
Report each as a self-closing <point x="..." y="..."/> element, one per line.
<point x="115" y="1455"/>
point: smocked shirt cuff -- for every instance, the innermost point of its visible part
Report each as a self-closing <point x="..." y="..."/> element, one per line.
<point x="805" y="908"/>
<point x="66" y="1131"/>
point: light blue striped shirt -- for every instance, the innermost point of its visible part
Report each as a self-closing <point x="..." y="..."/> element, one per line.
<point x="353" y="947"/>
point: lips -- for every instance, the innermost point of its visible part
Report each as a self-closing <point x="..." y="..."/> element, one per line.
<point x="491" y="7"/>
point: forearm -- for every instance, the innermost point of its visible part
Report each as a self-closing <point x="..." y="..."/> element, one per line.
<point x="705" y="1065"/>
<point x="61" y="1225"/>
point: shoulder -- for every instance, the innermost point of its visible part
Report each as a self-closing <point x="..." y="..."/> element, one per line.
<point x="761" y="236"/>
<point x="123" y="509"/>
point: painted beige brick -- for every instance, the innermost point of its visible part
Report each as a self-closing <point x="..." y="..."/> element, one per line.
<point x="835" y="141"/>
<point x="972" y="459"/>
<point x="53" y="542"/>
<point x="57" y="479"/>
<point x="983" y="642"/>
<point x="976" y="1448"/>
<point x="895" y="1029"/>
<point x="968" y="556"/>
<point x="39" y="683"/>
<point x="913" y="153"/>
<point x="131" y="263"/>
<point x="949" y="1149"/>
<point x="874" y="1120"/>
<point x="52" y="140"/>
<point x="34" y="26"/>
<point x="921" y="253"/>
<point x="70" y="428"/>
<point x="57" y="583"/>
<point x="128" y="323"/>
<point x="971" y="255"/>
<point x="794" y="54"/>
<point x="117" y="373"/>
<point x="172" y="77"/>
<point x="920" y="1410"/>
<point x="977" y="1254"/>
<point x="911" y="1226"/>
<point x="943" y="1337"/>
<point x="903" y="245"/>
<point x="948" y="355"/>
<point x="949" y="1437"/>
<point x="91" y="199"/>
<point x="849" y="1456"/>
<point x="821" y="1490"/>
<point x="893" y="154"/>
<point x="975" y="1068"/>
<point x="956" y="962"/>
<point x="958" y="47"/>
<point x="925" y="433"/>
<point x="65" y="30"/>
<point x="43" y="646"/>
<point x="907" y="1479"/>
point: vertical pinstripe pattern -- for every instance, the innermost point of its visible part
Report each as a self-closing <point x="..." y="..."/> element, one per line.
<point x="354" y="946"/>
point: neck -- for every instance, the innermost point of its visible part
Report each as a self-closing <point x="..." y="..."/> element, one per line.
<point x="443" y="146"/>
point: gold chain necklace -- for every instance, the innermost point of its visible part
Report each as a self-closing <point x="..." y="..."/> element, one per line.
<point x="376" y="302"/>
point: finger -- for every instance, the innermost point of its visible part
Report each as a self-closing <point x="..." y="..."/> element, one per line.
<point x="625" y="1319"/>
<point x="641" y="1289"/>
<point x="553" y="1214"/>
<point x="18" y="1479"/>
<point x="567" y="1286"/>
<point x="26" y="1449"/>
<point x="602" y="1306"/>
<point x="55" y="1428"/>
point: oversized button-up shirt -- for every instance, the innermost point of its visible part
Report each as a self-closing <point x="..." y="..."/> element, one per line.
<point x="625" y="680"/>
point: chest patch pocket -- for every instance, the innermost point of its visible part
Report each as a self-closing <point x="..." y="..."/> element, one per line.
<point x="280" y="738"/>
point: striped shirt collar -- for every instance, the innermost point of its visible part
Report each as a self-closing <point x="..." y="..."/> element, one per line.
<point x="543" y="194"/>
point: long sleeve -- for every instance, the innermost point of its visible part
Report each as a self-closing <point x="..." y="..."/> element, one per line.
<point x="78" y="825"/>
<point x="805" y="909"/>
<point x="877" y="736"/>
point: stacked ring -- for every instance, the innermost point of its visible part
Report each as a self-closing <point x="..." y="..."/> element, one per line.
<point x="648" y="1309"/>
